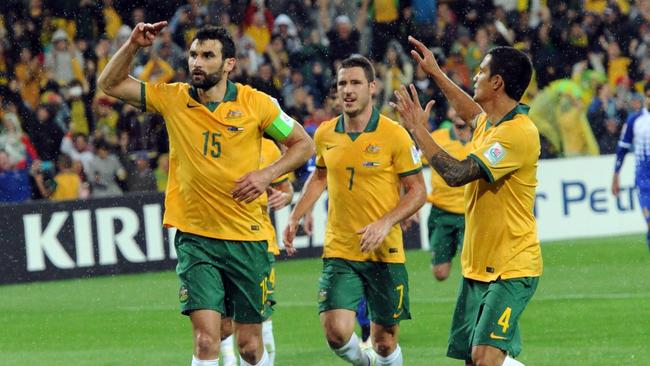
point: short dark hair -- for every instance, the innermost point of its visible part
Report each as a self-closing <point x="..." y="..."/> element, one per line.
<point x="220" y="34"/>
<point x="65" y="161"/>
<point x="362" y="62"/>
<point x="514" y="67"/>
<point x="646" y="87"/>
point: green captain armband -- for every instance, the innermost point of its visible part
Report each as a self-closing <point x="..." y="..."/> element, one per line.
<point x="281" y="127"/>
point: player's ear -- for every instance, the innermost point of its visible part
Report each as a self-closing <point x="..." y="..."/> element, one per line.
<point x="229" y="64"/>
<point x="373" y="87"/>
<point x="497" y="82"/>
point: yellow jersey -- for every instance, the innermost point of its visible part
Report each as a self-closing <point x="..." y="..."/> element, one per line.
<point x="363" y="183"/>
<point x="67" y="187"/>
<point x="442" y="196"/>
<point x="210" y="146"/>
<point x="270" y="153"/>
<point x="500" y="228"/>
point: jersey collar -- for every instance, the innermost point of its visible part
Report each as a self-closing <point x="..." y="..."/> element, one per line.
<point x="229" y="96"/>
<point x="370" y="127"/>
<point x="519" y="109"/>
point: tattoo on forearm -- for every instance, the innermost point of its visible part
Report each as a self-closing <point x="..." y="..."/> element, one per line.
<point x="456" y="173"/>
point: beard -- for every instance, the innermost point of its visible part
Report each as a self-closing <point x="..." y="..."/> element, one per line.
<point x="209" y="80"/>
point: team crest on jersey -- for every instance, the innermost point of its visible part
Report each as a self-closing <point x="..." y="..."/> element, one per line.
<point x="322" y="295"/>
<point x="183" y="294"/>
<point x="373" y="149"/>
<point x="370" y="164"/>
<point x="495" y="153"/>
<point x="234" y="113"/>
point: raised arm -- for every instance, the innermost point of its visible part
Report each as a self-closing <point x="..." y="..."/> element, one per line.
<point x="455" y="172"/>
<point x="115" y="79"/>
<point x="466" y="107"/>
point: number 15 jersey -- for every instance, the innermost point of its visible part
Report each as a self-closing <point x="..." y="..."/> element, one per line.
<point x="210" y="148"/>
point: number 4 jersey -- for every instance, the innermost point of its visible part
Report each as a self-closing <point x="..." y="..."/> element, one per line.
<point x="363" y="183"/>
<point x="211" y="146"/>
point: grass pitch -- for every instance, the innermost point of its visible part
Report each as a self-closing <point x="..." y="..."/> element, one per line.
<point x="592" y="307"/>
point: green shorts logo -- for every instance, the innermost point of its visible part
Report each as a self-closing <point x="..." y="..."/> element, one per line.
<point x="182" y="294"/>
<point x="322" y="295"/>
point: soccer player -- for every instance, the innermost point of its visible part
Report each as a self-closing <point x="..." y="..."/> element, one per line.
<point x="636" y="133"/>
<point x="362" y="158"/>
<point x="501" y="258"/>
<point x="280" y="194"/>
<point x="447" y="217"/>
<point x="215" y="127"/>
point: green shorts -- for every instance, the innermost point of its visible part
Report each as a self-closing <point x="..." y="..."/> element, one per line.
<point x="446" y="232"/>
<point x="230" y="277"/>
<point x="487" y="313"/>
<point x="385" y="286"/>
<point x="270" y="287"/>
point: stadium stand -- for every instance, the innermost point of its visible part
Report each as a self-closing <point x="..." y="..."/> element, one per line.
<point x="590" y="57"/>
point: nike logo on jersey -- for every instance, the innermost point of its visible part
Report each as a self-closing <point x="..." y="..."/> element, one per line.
<point x="191" y="106"/>
<point x="327" y="147"/>
<point x="494" y="336"/>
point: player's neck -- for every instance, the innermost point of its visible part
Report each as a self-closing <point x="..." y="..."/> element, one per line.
<point x="215" y="93"/>
<point x="359" y="122"/>
<point x="498" y="107"/>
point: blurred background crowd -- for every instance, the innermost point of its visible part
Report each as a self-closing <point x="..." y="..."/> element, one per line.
<point x="61" y="138"/>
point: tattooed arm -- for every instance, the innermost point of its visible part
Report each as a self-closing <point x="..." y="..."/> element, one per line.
<point x="454" y="172"/>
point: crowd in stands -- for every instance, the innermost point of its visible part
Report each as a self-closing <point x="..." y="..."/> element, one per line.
<point x="61" y="138"/>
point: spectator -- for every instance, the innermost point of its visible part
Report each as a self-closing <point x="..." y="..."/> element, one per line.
<point x="286" y="30"/>
<point x="17" y="145"/>
<point x="140" y="176"/>
<point x="343" y="38"/>
<point x="76" y="146"/>
<point x="14" y="182"/>
<point x="107" y="119"/>
<point x="63" y="60"/>
<point x="28" y="75"/>
<point x="397" y="69"/>
<point x="66" y="185"/>
<point x="104" y="170"/>
<point x="46" y="135"/>
<point x="603" y="110"/>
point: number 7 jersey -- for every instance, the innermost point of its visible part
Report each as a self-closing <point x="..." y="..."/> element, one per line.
<point x="363" y="183"/>
<point x="209" y="148"/>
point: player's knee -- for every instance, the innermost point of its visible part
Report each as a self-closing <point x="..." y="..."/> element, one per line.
<point x="384" y="347"/>
<point x="250" y="348"/>
<point x="336" y="339"/>
<point x="205" y="345"/>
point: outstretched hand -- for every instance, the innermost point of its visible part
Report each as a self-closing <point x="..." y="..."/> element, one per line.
<point x="145" y="33"/>
<point x="424" y="57"/>
<point x="408" y="106"/>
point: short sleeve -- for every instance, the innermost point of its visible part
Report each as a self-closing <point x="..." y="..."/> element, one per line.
<point x="153" y="96"/>
<point x="504" y="152"/>
<point x="318" y="141"/>
<point x="406" y="157"/>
